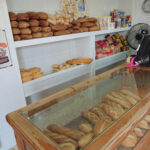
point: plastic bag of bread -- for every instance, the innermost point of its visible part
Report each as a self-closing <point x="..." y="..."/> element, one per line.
<point x="12" y="16"/>
<point x="23" y="17"/>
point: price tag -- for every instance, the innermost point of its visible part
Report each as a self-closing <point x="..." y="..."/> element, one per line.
<point x="5" y="59"/>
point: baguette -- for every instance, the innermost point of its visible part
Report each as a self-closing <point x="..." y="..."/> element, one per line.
<point x="58" y="138"/>
<point x="74" y="134"/>
<point x="80" y="61"/>
<point x="91" y="117"/>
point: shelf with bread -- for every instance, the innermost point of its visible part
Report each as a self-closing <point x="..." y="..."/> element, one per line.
<point x="109" y="111"/>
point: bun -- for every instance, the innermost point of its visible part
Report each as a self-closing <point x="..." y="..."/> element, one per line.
<point x="92" y="20"/>
<point x="43" y="16"/>
<point x="15" y="31"/>
<point x="14" y="24"/>
<point x="76" y="31"/>
<point x="23" y="24"/>
<point x="23" y="17"/>
<point x="61" y="32"/>
<point x="84" y="140"/>
<point x="44" y="23"/>
<point x="59" y="27"/>
<point x="84" y="29"/>
<point x="88" y="24"/>
<point x="86" y="128"/>
<point x="37" y="35"/>
<point x="25" y="31"/>
<point x="33" y="15"/>
<point x="47" y="34"/>
<point x="34" y="23"/>
<point x="34" y="70"/>
<point x="36" y="29"/>
<point x="17" y="38"/>
<point x="12" y="16"/>
<point x="46" y="29"/>
<point x="26" y="79"/>
<point x="95" y="28"/>
<point x="67" y="146"/>
<point x="26" y="37"/>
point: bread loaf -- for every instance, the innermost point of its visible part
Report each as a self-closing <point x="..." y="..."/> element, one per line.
<point x="91" y="117"/>
<point x="94" y="28"/>
<point x="67" y="146"/>
<point x="46" y="29"/>
<point x="75" y="134"/>
<point x="26" y="37"/>
<point x="138" y="132"/>
<point x="15" y="31"/>
<point x="26" y="79"/>
<point x="63" y="32"/>
<point x="47" y="34"/>
<point x="14" y="24"/>
<point x="85" y="127"/>
<point x="37" y="35"/>
<point x="23" y="17"/>
<point x="43" y="16"/>
<point x="85" y="139"/>
<point x="130" y="141"/>
<point x="12" y="16"/>
<point x="17" y="38"/>
<point x="34" y="23"/>
<point x="36" y="29"/>
<point x="33" y="15"/>
<point x="23" y="24"/>
<point x="34" y="70"/>
<point x="88" y="24"/>
<point x="44" y="23"/>
<point x="25" y="31"/>
<point x="59" y="27"/>
<point x="80" y="61"/>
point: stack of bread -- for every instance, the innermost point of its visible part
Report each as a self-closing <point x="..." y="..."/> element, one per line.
<point x="99" y="118"/>
<point x="30" y="25"/>
<point x="71" y="63"/>
<point x="31" y="74"/>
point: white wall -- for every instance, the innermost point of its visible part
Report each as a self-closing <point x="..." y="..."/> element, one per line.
<point x="11" y="92"/>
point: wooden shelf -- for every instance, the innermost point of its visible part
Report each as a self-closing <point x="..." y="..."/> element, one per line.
<point x="51" y="80"/>
<point x="25" y="43"/>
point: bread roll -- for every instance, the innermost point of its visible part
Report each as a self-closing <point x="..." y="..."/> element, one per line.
<point x="94" y="28"/>
<point x="44" y="23"/>
<point x="59" y="27"/>
<point x="25" y="31"/>
<point x="33" y="15"/>
<point x="84" y="140"/>
<point x="12" y="16"/>
<point x="67" y="146"/>
<point x="47" y="34"/>
<point x="76" y="27"/>
<point x="130" y="141"/>
<point x="83" y="29"/>
<point x="138" y="132"/>
<point x="64" y="32"/>
<point x="143" y="124"/>
<point x="88" y="24"/>
<point x="37" y="35"/>
<point x="100" y="126"/>
<point x="34" y="23"/>
<point x="25" y="74"/>
<point x="15" y="31"/>
<point x="147" y="118"/>
<point x="37" y="75"/>
<point x="17" y="38"/>
<point x="82" y="20"/>
<point x="23" y="24"/>
<point x="23" y="17"/>
<point x="26" y="79"/>
<point x="85" y="127"/>
<point x="70" y="30"/>
<point x="36" y="29"/>
<point x="34" y="70"/>
<point x="76" y="31"/>
<point x="92" y="20"/>
<point x="43" y="16"/>
<point x="46" y="29"/>
<point x="14" y="24"/>
<point x="74" y="134"/>
<point x="26" y="36"/>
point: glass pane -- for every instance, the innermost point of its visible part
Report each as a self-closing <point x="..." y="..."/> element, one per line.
<point x="96" y="107"/>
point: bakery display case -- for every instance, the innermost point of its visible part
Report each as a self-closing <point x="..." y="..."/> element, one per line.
<point x="109" y="111"/>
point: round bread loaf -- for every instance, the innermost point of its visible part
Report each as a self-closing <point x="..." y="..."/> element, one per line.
<point x="12" y="16"/>
<point x="23" y="17"/>
<point x="34" y="23"/>
<point x="23" y="24"/>
<point x="17" y="38"/>
<point x="15" y="31"/>
<point x="25" y="31"/>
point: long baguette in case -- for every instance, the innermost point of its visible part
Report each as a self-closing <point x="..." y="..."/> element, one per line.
<point x="74" y="134"/>
<point x="80" y="61"/>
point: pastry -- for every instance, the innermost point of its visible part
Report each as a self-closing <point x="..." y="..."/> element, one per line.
<point x="25" y="74"/>
<point x="47" y="34"/>
<point x="17" y="38"/>
<point x="37" y="35"/>
<point x="100" y="126"/>
<point x="26" y="37"/>
<point x="85" y="127"/>
<point x="76" y="31"/>
<point x="34" y="23"/>
<point x="23" y="17"/>
<point x="67" y="146"/>
<point x="143" y="124"/>
<point x="23" y="24"/>
<point x="14" y="24"/>
<point x="15" y="31"/>
<point x="76" y="27"/>
<point x="114" y="97"/>
<point x="84" y="140"/>
<point x="46" y="29"/>
<point x="36" y="29"/>
<point x="129" y="93"/>
<point x="58" y="138"/>
<point x="44" y="23"/>
<point x="12" y="16"/>
<point x="70" y="30"/>
<point x="138" y="132"/>
<point x="91" y="117"/>
<point x="84" y="29"/>
<point x="74" y="134"/>
<point x="101" y="114"/>
<point x="37" y="75"/>
<point x="64" y="32"/>
<point x="114" y="110"/>
<point x="88" y="24"/>
<point x="43" y="16"/>
<point x="92" y="19"/>
<point x="59" y="27"/>
<point x="33" y="15"/>
<point x="26" y="79"/>
<point x="34" y="70"/>
<point x="82" y="20"/>
<point x="147" y="118"/>
<point x="76" y="23"/>
<point x="130" y="141"/>
<point x="94" y="28"/>
<point x="25" y="31"/>
<point x="80" y="61"/>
